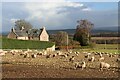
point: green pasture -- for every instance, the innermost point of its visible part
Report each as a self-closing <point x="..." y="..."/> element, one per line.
<point x="24" y="44"/>
<point x="110" y="48"/>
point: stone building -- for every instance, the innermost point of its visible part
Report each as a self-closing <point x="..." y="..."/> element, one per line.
<point x="41" y="35"/>
<point x="14" y="34"/>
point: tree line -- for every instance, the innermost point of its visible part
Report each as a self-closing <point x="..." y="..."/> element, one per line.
<point x="81" y="37"/>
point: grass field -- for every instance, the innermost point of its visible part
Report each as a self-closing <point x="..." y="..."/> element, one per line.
<point x="110" y="48"/>
<point x="24" y="44"/>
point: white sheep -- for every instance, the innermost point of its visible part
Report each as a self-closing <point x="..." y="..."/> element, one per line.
<point x="80" y="65"/>
<point x="33" y="55"/>
<point x="54" y="55"/>
<point x="100" y="54"/>
<point x="102" y="58"/>
<point x="26" y="55"/>
<point x="2" y="52"/>
<point x="77" y="65"/>
<point x="48" y="56"/>
<point x="44" y="53"/>
<point x="87" y="55"/>
<point x="72" y="59"/>
<point x="64" y="55"/>
<point x="118" y="59"/>
<point x="104" y="65"/>
<point x="92" y="59"/>
<point x="59" y="53"/>
<point x="83" y="65"/>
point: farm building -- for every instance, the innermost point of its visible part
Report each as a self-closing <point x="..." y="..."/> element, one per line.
<point x="14" y="34"/>
<point x="41" y="34"/>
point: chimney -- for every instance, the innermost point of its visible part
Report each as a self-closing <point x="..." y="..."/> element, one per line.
<point x="13" y="29"/>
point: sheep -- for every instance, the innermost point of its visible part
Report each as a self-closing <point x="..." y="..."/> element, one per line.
<point x="118" y="59"/>
<point x="104" y="65"/>
<point x="33" y="55"/>
<point x="111" y="55"/>
<point x="71" y="59"/>
<point x="54" y="55"/>
<point x="26" y="55"/>
<point x="59" y="53"/>
<point x="100" y="59"/>
<point x="77" y="65"/>
<point x="70" y="52"/>
<point x="100" y="54"/>
<point x="87" y="56"/>
<point x="44" y="53"/>
<point x="21" y="54"/>
<point x="92" y="59"/>
<point x="83" y="65"/>
<point x="48" y="56"/>
<point x="29" y="50"/>
<point x="64" y="55"/>
<point x="39" y="53"/>
<point x="2" y="52"/>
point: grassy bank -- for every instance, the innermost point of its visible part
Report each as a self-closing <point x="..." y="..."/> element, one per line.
<point x="24" y="44"/>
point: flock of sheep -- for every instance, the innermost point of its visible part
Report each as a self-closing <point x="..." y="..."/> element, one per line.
<point x="70" y="55"/>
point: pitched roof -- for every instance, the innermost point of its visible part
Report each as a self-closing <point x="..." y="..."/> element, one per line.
<point x="31" y="32"/>
<point x="20" y="33"/>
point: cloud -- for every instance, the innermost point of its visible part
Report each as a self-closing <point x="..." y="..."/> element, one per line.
<point x="59" y="0"/>
<point x="87" y="9"/>
<point x="13" y="20"/>
<point x="52" y="14"/>
<point x="57" y="15"/>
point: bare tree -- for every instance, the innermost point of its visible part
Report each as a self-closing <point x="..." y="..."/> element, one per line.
<point x="23" y="25"/>
<point x="61" y="38"/>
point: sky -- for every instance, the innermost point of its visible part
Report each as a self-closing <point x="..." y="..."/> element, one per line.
<point x="60" y="14"/>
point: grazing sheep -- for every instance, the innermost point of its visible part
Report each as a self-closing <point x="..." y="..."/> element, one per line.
<point x="83" y="65"/>
<point x="71" y="59"/>
<point x="100" y="54"/>
<point x="80" y="65"/>
<point x="70" y="52"/>
<point x="118" y="59"/>
<point x="59" y="53"/>
<point x="2" y="52"/>
<point x="87" y="56"/>
<point x="54" y="55"/>
<point x="48" y="56"/>
<point x="77" y="65"/>
<point x="39" y="53"/>
<point x="26" y="55"/>
<point x="92" y="59"/>
<point x="64" y="55"/>
<point x="67" y="54"/>
<point x="102" y="58"/>
<point x="45" y="53"/>
<point x="104" y="65"/>
<point x="111" y="55"/>
<point x="21" y="54"/>
<point x="33" y="55"/>
<point x="28" y="50"/>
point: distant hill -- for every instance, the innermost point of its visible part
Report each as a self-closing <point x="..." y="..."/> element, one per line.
<point x="72" y="31"/>
<point x="94" y="30"/>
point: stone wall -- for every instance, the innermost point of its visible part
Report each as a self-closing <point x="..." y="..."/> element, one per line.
<point x="50" y="49"/>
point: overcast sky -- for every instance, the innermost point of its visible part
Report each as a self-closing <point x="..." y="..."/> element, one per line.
<point x="59" y="14"/>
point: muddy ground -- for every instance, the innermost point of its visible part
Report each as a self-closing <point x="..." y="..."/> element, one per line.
<point x="15" y="66"/>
